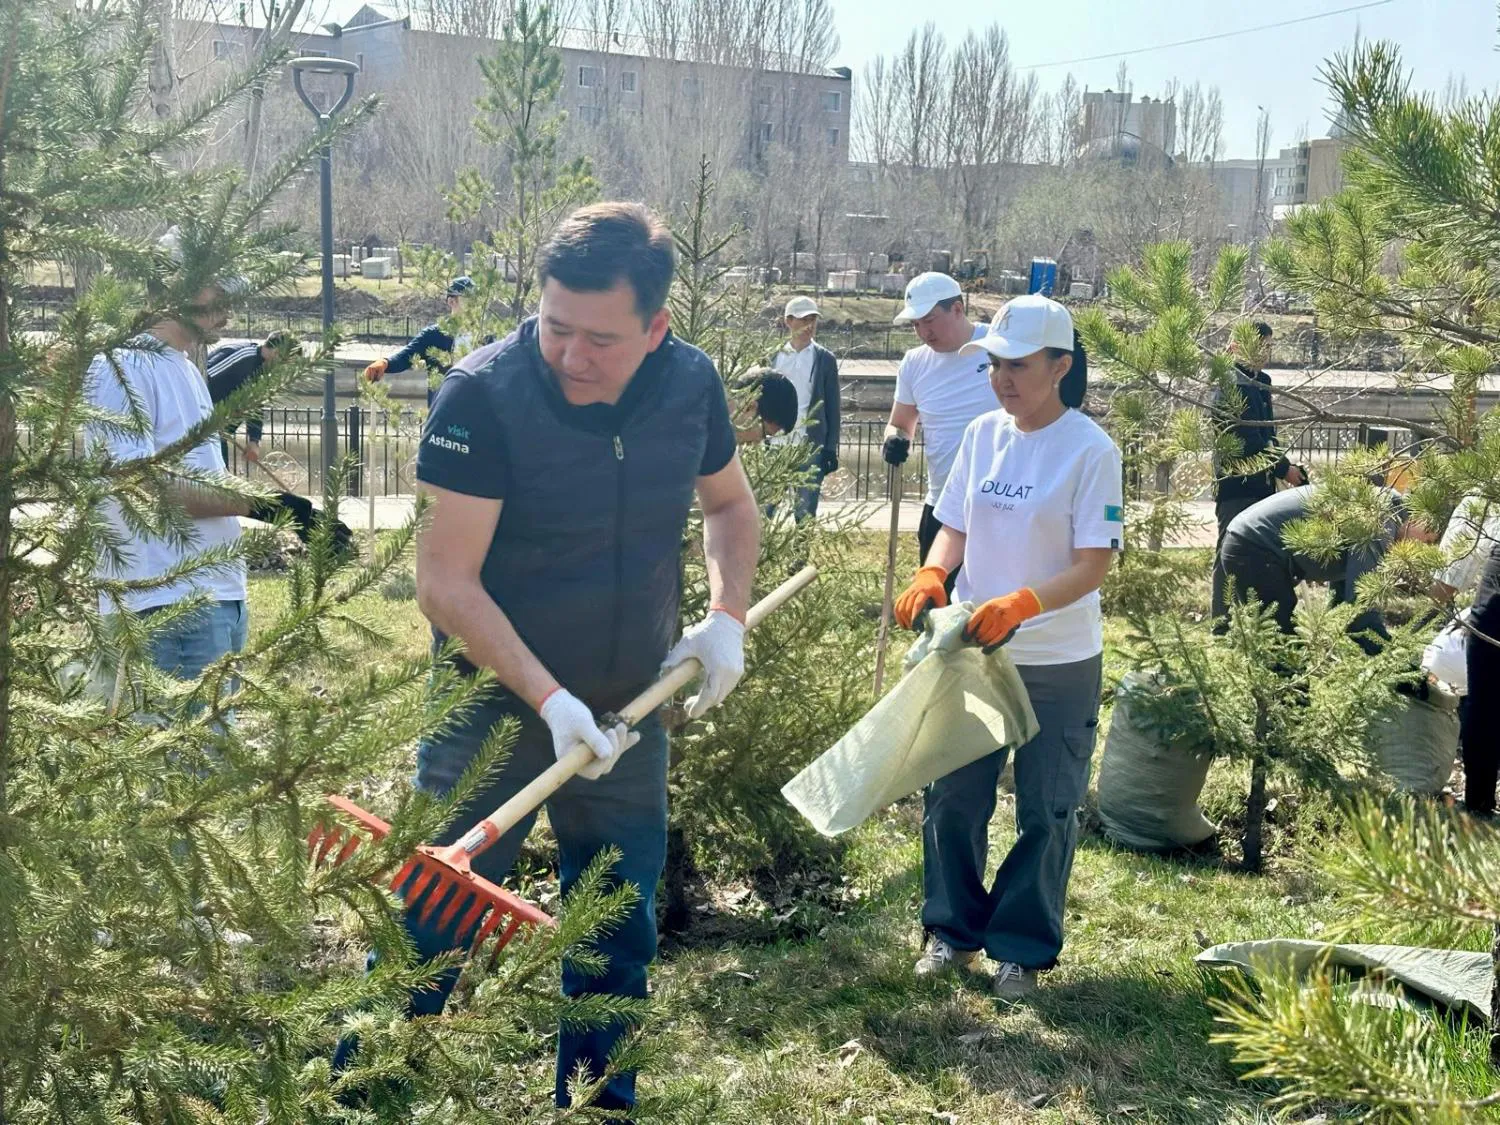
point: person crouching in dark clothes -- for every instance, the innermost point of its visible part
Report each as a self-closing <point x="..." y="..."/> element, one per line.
<point x="1257" y="563"/>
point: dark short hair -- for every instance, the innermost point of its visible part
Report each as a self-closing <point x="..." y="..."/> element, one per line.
<point x="1262" y="329"/>
<point x="777" y="401"/>
<point x="597" y="247"/>
<point x="281" y="340"/>
<point x="1075" y="384"/>
<point x="947" y="303"/>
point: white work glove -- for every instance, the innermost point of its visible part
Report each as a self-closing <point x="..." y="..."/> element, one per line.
<point x="718" y="643"/>
<point x="571" y="722"/>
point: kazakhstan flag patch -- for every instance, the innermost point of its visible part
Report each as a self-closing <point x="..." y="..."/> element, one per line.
<point x="1113" y="513"/>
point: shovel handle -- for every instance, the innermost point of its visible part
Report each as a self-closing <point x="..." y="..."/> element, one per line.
<point x="508" y="815"/>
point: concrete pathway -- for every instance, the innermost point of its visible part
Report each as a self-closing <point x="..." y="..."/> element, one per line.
<point x="393" y="511"/>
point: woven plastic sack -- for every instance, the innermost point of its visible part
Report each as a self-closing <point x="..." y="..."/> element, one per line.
<point x="953" y="706"/>
<point x="1416" y="740"/>
<point x="1148" y="787"/>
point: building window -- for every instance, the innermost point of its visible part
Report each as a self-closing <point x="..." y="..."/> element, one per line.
<point x="767" y="132"/>
<point x="590" y="76"/>
<point x="763" y="97"/>
<point x="691" y="87"/>
<point x="832" y="101"/>
<point x="590" y="114"/>
<point x="796" y="131"/>
<point x="627" y="82"/>
<point x="833" y="138"/>
<point x="223" y="49"/>
<point x="359" y="60"/>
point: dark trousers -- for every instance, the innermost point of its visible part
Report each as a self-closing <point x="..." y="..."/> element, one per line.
<point x="626" y="809"/>
<point x="927" y="532"/>
<point x="1224" y="512"/>
<point x="1019" y="917"/>
<point x="1254" y="573"/>
<point x="1481" y="718"/>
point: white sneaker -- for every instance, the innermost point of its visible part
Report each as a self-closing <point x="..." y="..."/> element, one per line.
<point x="939" y="957"/>
<point x="1012" y="981"/>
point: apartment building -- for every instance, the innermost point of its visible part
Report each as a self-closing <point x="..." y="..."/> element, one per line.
<point x="806" y="113"/>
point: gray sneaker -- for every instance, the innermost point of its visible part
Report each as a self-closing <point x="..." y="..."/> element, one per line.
<point x="1012" y="982"/>
<point x="939" y="957"/>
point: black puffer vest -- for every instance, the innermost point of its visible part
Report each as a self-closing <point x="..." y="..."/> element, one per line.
<point x="586" y="557"/>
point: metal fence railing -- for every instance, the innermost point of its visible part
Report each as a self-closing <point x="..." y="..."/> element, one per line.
<point x="1302" y="347"/>
<point x="386" y="441"/>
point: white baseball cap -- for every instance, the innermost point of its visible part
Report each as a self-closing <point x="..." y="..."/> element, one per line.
<point x="801" y="306"/>
<point x="923" y="292"/>
<point x="1023" y="326"/>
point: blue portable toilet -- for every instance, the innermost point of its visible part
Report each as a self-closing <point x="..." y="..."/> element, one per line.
<point x="1043" y="276"/>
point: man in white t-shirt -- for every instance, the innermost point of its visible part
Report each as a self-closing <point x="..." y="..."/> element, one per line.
<point x="937" y="386"/>
<point x="154" y="372"/>
<point x="814" y="371"/>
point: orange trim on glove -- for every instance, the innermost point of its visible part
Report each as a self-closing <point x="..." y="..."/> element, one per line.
<point x="925" y="592"/>
<point x="996" y="621"/>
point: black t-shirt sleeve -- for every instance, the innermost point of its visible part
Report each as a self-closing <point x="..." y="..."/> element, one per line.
<point x="463" y="448"/>
<point x="719" y="449"/>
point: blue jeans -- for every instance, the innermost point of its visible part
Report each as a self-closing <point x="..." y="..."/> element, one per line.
<point x="1020" y="917"/>
<point x="626" y="809"/>
<point x="191" y="645"/>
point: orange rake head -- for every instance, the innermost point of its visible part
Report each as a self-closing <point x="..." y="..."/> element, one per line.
<point x="441" y="891"/>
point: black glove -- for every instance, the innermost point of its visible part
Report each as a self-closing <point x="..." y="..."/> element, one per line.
<point x="298" y="507"/>
<point x="829" y="460"/>
<point x="897" y="449"/>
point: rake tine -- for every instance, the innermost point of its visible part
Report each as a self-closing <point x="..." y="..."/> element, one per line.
<point x="460" y="902"/>
<point x="474" y="915"/>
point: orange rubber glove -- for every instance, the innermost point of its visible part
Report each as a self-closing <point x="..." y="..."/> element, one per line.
<point x="996" y="621"/>
<point x="925" y="592"/>
<point x="376" y="370"/>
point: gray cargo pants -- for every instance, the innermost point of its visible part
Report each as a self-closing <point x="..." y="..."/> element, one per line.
<point x="1020" y="917"/>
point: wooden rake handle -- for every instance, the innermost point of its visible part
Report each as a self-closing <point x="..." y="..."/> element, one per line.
<point x="277" y="481"/>
<point x="508" y="815"/>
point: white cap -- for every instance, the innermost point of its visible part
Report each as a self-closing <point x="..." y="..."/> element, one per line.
<point x="1023" y="326"/>
<point x="801" y="306"/>
<point x="924" y="291"/>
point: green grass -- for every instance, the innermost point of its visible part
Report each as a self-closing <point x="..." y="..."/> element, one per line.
<point x="794" y="1002"/>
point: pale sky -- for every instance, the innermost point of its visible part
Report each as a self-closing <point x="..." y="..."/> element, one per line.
<point x="1276" y="68"/>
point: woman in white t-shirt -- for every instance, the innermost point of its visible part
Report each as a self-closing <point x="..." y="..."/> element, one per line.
<point x="1033" y="510"/>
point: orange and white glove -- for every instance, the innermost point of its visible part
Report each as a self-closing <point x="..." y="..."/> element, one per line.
<point x="996" y="621"/>
<point x="376" y="371"/>
<point x="925" y="592"/>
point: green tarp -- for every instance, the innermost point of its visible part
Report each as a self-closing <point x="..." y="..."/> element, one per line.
<point x="1450" y="978"/>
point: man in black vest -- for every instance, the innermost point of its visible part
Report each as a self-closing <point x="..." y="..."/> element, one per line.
<point x="561" y="463"/>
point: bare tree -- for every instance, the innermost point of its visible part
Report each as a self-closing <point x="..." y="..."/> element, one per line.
<point x="1060" y="130"/>
<point x="1200" y="122"/>
<point x="161" y="79"/>
<point x="280" y="20"/>
<point x="917" y="74"/>
<point x="875" y="115"/>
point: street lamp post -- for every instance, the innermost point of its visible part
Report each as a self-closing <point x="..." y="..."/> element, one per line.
<point x="320" y="64"/>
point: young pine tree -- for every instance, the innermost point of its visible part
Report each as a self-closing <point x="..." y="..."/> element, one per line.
<point x="1408" y="246"/>
<point x="167" y="951"/>
<point x="808" y="665"/>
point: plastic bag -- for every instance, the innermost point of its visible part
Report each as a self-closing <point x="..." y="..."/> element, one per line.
<point x="953" y="706"/>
